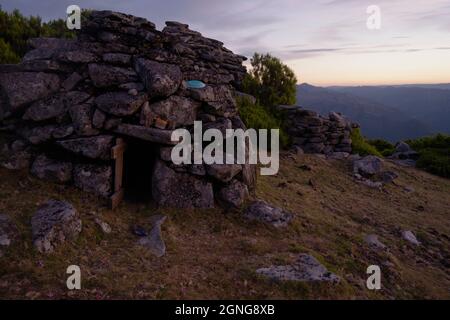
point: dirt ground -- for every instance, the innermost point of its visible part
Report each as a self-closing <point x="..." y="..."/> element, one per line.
<point x="213" y="254"/>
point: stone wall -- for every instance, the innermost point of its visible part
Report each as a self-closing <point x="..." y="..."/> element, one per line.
<point x="69" y="100"/>
<point x="314" y="133"/>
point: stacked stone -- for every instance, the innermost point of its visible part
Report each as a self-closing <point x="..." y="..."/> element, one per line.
<point x="315" y="133"/>
<point x="69" y="100"/>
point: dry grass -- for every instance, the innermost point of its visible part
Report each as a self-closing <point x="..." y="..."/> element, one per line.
<point x="214" y="255"/>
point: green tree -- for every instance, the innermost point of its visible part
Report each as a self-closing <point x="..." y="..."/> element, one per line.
<point x="270" y="81"/>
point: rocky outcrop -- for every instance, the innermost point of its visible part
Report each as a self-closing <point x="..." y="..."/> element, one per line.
<point x="314" y="133"/>
<point x="53" y="223"/>
<point x="121" y="77"/>
<point x="305" y="269"/>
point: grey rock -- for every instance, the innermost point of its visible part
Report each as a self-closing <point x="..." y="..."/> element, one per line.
<point x="148" y="134"/>
<point x="21" y="88"/>
<point x="154" y="241"/>
<point x="368" y="166"/>
<point x="105" y="227"/>
<point x="117" y="58"/>
<point x="98" y="147"/>
<point x="160" y="79"/>
<point x="71" y="82"/>
<point x="338" y="155"/>
<point x="18" y="160"/>
<point x="8" y="232"/>
<point x="264" y="212"/>
<point x="223" y="172"/>
<point x="96" y="179"/>
<point x="120" y="103"/>
<point x="388" y="176"/>
<point x="233" y="195"/>
<point x="180" y="190"/>
<point x="81" y="116"/>
<point x="55" y="106"/>
<point x="402" y="147"/>
<point x="179" y="111"/>
<point x="52" y="170"/>
<point x="410" y="237"/>
<point x="38" y="135"/>
<point x="62" y="131"/>
<point x="305" y="269"/>
<point x="107" y="76"/>
<point x="77" y="56"/>
<point x="373" y="241"/>
<point x="54" y="223"/>
<point x="98" y="119"/>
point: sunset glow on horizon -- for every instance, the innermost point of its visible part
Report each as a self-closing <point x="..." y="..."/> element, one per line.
<point x="325" y="42"/>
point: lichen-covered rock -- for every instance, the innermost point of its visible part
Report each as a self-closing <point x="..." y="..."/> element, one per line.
<point x="120" y="103"/>
<point x="21" y="88"/>
<point x="98" y="147"/>
<point x="160" y="79"/>
<point x="54" y="223"/>
<point x="180" y="190"/>
<point x="52" y="170"/>
<point x="96" y="179"/>
<point x="262" y="211"/>
<point x="305" y="269"/>
<point x="178" y="111"/>
<point x="233" y="195"/>
<point x="54" y="106"/>
<point x="368" y="166"/>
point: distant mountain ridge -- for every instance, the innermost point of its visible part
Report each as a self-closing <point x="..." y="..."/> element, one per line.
<point x="379" y="116"/>
<point x="430" y="104"/>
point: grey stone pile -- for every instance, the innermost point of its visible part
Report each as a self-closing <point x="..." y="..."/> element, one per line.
<point x="70" y="99"/>
<point x="315" y="133"/>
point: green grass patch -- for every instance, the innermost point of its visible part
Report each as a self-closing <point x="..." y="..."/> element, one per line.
<point x="361" y="146"/>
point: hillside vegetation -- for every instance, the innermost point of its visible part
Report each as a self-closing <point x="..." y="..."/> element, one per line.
<point x="214" y="255"/>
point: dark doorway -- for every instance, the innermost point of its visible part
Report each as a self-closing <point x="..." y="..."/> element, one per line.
<point x="139" y="159"/>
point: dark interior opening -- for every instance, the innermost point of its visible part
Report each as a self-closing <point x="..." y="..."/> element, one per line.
<point x="139" y="159"/>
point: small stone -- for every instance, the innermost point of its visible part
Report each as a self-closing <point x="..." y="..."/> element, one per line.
<point x="154" y="241"/>
<point x="410" y="237"/>
<point x="262" y="211"/>
<point x="105" y="227"/>
<point x="133" y="92"/>
<point x="373" y="241"/>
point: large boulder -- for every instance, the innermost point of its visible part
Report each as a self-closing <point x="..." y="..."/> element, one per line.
<point x="22" y="88"/>
<point x="92" y="178"/>
<point x="120" y="103"/>
<point x="52" y="170"/>
<point x="264" y="212"/>
<point x="160" y="79"/>
<point x="98" y="147"/>
<point x="53" y="223"/>
<point x="368" y="166"/>
<point x="178" y="111"/>
<point x="180" y="190"/>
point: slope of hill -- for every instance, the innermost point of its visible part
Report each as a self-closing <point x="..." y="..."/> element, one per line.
<point x="376" y="120"/>
<point x="213" y="255"/>
<point x="430" y="104"/>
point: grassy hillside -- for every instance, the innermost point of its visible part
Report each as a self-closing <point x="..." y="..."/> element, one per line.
<point x="211" y="254"/>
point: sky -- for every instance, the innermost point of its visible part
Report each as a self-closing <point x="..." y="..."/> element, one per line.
<point x="325" y="42"/>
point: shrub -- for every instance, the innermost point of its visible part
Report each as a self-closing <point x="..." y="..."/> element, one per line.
<point x="384" y="147"/>
<point x="256" y="116"/>
<point x="361" y="146"/>
<point x="434" y="154"/>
